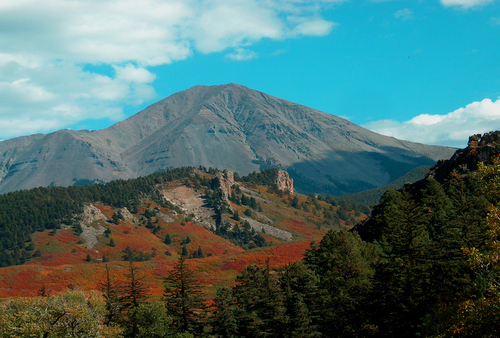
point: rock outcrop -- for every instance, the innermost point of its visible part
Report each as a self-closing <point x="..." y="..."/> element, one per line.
<point x="91" y="214"/>
<point x="89" y="233"/>
<point x="480" y="148"/>
<point x="284" y="182"/>
<point x="225" y="181"/>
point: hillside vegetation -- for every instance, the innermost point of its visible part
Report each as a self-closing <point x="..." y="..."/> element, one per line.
<point x="424" y="264"/>
<point x="61" y="236"/>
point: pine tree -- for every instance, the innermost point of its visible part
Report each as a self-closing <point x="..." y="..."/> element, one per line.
<point x="402" y="280"/>
<point x="134" y="293"/>
<point x="168" y="239"/>
<point x="300" y="287"/>
<point x="344" y="265"/>
<point x="224" y="317"/>
<point x="110" y="288"/>
<point x="183" y="298"/>
<point x="263" y="312"/>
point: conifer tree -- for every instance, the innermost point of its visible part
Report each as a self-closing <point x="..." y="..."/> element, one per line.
<point x="110" y="288"/>
<point x="263" y="312"/>
<point x="344" y="265"/>
<point x="134" y="293"/>
<point x="224" y="317"/>
<point x="402" y="280"/>
<point x="183" y="298"/>
<point x="168" y="239"/>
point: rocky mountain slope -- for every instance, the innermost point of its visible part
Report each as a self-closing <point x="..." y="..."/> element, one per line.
<point x="226" y="126"/>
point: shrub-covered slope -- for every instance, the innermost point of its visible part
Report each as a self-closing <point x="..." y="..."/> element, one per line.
<point x="62" y="236"/>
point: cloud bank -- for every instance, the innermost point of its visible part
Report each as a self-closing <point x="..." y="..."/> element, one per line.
<point x="452" y="129"/>
<point x="46" y="49"/>
<point x="466" y="3"/>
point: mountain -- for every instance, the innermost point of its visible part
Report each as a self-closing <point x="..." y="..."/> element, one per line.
<point x="226" y="126"/>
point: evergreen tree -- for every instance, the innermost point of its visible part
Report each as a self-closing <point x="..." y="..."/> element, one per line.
<point x="224" y="317"/>
<point x="134" y="293"/>
<point x="168" y="239"/>
<point x="258" y="294"/>
<point x="183" y="298"/>
<point x="110" y="288"/>
<point x="300" y="287"/>
<point x="344" y="265"/>
<point x="402" y="279"/>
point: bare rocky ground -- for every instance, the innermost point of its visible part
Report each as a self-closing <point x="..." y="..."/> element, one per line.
<point x="268" y="229"/>
<point x="89" y="233"/>
<point x="191" y="202"/>
<point x="250" y="193"/>
<point x="127" y="216"/>
<point x="262" y="216"/>
<point x="165" y="217"/>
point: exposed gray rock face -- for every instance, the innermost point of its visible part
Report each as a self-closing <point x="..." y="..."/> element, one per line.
<point x="225" y="181"/>
<point x="284" y="182"/>
<point x="228" y="127"/>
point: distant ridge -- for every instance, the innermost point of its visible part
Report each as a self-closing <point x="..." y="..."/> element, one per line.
<point x="227" y="127"/>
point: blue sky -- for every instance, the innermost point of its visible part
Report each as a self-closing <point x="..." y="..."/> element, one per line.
<point x="426" y="71"/>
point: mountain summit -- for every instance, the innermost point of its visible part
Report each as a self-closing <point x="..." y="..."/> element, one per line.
<point x="227" y="127"/>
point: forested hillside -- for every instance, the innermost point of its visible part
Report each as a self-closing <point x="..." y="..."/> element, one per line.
<point x="425" y="264"/>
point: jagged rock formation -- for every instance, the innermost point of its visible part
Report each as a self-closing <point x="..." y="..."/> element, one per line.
<point x="126" y="214"/>
<point x="284" y="182"/>
<point x="227" y="127"/>
<point x="89" y="233"/>
<point x="225" y="181"/>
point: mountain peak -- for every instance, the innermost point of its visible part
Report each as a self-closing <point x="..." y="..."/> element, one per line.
<point x="226" y="126"/>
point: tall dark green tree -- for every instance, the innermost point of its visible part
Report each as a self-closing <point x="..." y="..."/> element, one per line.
<point x="261" y="300"/>
<point x="135" y="293"/>
<point x="184" y="299"/>
<point x="300" y="287"/>
<point x="223" y="320"/>
<point x="344" y="265"/>
<point x="111" y="291"/>
<point x="402" y="279"/>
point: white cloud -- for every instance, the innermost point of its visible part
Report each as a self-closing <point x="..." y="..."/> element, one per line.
<point x="132" y="74"/>
<point x="452" y="129"/>
<point x="404" y="14"/>
<point x="46" y="48"/>
<point x="312" y="26"/>
<point x="466" y="3"/>
<point x="241" y="54"/>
